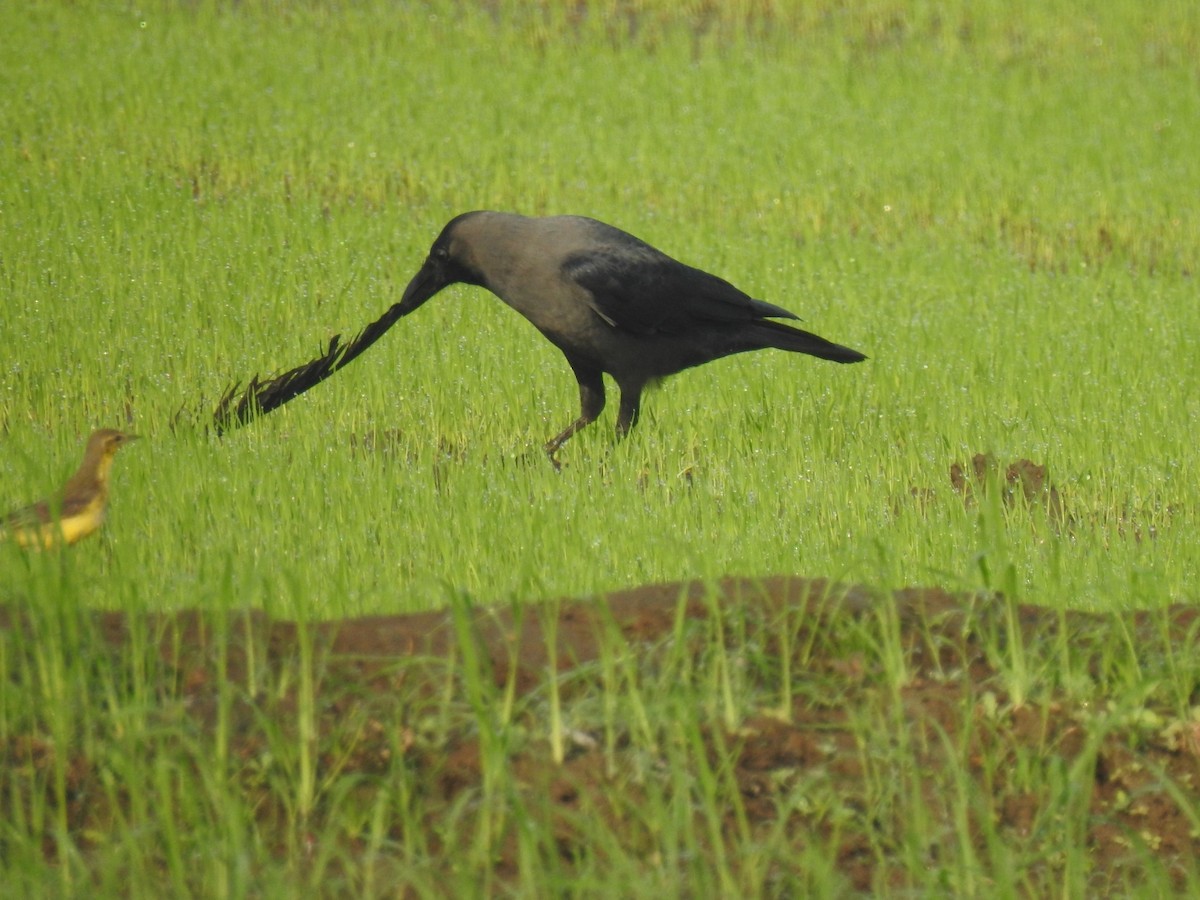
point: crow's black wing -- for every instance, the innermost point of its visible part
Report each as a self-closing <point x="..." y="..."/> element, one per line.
<point x="636" y="288"/>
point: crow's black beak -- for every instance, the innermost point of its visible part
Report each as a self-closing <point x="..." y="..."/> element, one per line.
<point x="428" y="281"/>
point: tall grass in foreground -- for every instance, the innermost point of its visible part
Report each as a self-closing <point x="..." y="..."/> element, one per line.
<point x="197" y="769"/>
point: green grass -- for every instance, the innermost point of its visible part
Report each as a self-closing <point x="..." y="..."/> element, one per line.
<point x="991" y="212"/>
<point x="995" y="202"/>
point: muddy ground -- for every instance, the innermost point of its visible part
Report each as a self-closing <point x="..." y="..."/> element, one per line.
<point x="1135" y="771"/>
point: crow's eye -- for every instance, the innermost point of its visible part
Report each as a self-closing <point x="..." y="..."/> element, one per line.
<point x="440" y="253"/>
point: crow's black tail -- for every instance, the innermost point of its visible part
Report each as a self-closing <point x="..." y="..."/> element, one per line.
<point x="785" y="337"/>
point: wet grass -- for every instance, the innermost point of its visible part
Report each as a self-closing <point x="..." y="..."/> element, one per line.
<point x="992" y="203"/>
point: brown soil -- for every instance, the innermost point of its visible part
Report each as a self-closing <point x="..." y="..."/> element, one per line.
<point x="949" y="691"/>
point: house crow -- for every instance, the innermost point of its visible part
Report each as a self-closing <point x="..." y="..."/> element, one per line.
<point x="609" y="301"/>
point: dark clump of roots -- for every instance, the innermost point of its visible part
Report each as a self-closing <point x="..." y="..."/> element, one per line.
<point x="238" y="406"/>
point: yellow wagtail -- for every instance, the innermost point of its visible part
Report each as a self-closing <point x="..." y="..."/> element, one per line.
<point x="78" y="509"/>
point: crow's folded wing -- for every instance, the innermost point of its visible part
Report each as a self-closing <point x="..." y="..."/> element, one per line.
<point x="640" y="290"/>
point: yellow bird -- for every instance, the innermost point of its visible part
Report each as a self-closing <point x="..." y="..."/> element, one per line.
<point x="78" y="509"/>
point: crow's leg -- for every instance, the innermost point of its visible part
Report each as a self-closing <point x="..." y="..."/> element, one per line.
<point x="631" y="404"/>
<point x="591" y="404"/>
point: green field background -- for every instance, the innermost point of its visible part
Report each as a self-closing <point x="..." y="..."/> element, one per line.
<point x="997" y="202"/>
